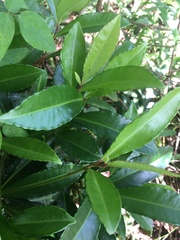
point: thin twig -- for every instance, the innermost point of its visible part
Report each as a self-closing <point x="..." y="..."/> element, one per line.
<point x="99" y="6"/>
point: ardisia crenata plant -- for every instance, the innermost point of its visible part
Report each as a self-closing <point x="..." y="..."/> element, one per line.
<point x="71" y="165"/>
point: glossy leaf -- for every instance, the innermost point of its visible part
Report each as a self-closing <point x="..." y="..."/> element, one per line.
<point x="86" y="226"/>
<point x="40" y="221"/>
<point x="101" y="49"/>
<point x="79" y="145"/>
<point x="95" y="121"/>
<point x="146" y="127"/>
<point x="122" y="79"/>
<point x="45" y="182"/>
<point x="92" y="22"/>
<point x="73" y="55"/>
<point x="30" y="24"/>
<point x="132" y="57"/>
<point x="15" y="6"/>
<point x="7" y="29"/>
<point x="29" y="148"/>
<point x="64" y="8"/>
<point x="13" y="56"/>
<point x="6" y="231"/>
<point x="144" y="222"/>
<point x="126" y="177"/>
<point x="50" y="112"/>
<point x="18" y="77"/>
<point x="105" y="200"/>
<point x="152" y="202"/>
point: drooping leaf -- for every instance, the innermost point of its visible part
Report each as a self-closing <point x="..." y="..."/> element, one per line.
<point x="35" y="31"/>
<point x="126" y="177"/>
<point x="6" y="231"/>
<point x="144" y="222"/>
<point x="29" y="148"/>
<point x="45" y="182"/>
<point x="17" y="77"/>
<point x="152" y="202"/>
<point x="13" y="56"/>
<point x="15" y="6"/>
<point x="64" y="8"/>
<point x="73" y="55"/>
<point x="122" y="79"/>
<point x="104" y="124"/>
<point x="101" y="49"/>
<point x="7" y="29"/>
<point x="92" y="22"/>
<point x="86" y="226"/>
<point x="132" y="57"/>
<point x="105" y="200"/>
<point x="41" y="220"/>
<point x="79" y="145"/>
<point x="56" y="106"/>
<point x="146" y="127"/>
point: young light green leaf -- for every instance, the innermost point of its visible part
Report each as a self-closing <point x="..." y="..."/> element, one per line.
<point x="64" y="8"/>
<point x="141" y="166"/>
<point x="29" y="148"/>
<point x="122" y="79"/>
<point x="101" y="49"/>
<point x="7" y="29"/>
<point x="105" y="200"/>
<point x="152" y="202"/>
<point x="17" y="77"/>
<point x="132" y="57"/>
<point x="86" y="226"/>
<point x="79" y="145"/>
<point x="56" y="106"/>
<point x="40" y="221"/>
<point x="15" y="6"/>
<point x="146" y="127"/>
<point x="132" y="112"/>
<point x="73" y="54"/>
<point x="35" y="31"/>
<point x="6" y="231"/>
<point x="45" y="182"/>
<point x="13" y="131"/>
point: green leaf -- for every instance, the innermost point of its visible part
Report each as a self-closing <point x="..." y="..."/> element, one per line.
<point x="64" y="8"/>
<point x="73" y="55"/>
<point x="15" y="6"/>
<point x="86" y="226"/>
<point x="0" y="140"/>
<point x="105" y="200"/>
<point x="156" y="203"/>
<point x="79" y="145"/>
<point x="18" y="77"/>
<point x="45" y="182"/>
<point x="29" y="148"/>
<point x="143" y="167"/>
<point x="40" y="221"/>
<point x="35" y="31"/>
<point x="56" y="106"/>
<point x="146" y="127"/>
<point x="6" y="231"/>
<point x="7" y="29"/>
<point x="132" y="57"/>
<point x="99" y="103"/>
<point x="144" y="222"/>
<point x="122" y="79"/>
<point x="104" y="124"/>
<point x="101" y="49"/>
<point x="132" y="112"/>
<point x="13" y="131"/>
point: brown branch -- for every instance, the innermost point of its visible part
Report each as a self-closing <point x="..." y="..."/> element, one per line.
<point x="99" y="6"/>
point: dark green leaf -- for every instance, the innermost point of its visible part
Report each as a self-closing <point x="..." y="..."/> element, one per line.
<point x="122" y="79"/>
<point x="105" y="200"/>
<point x="104" y="124"/>
<point x="40" y="221"/>
<point x="29" y="148"/>
<point x="86" y="226"/>
<point x="79" y="145"/>
<point x="99" y="103"/>
<point x="152" y="202"/>
<point x="43" y="183"/>
<point x="36" y="32"/>
<point x="73" y="55"/>
<point x="144" y="222"/>
<point x="146" y="127"/>
<point x="7" y="29"/>
<point x="56" y="106"/>
<point x="18" y="77"/>
<point x="6" y="232"/>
